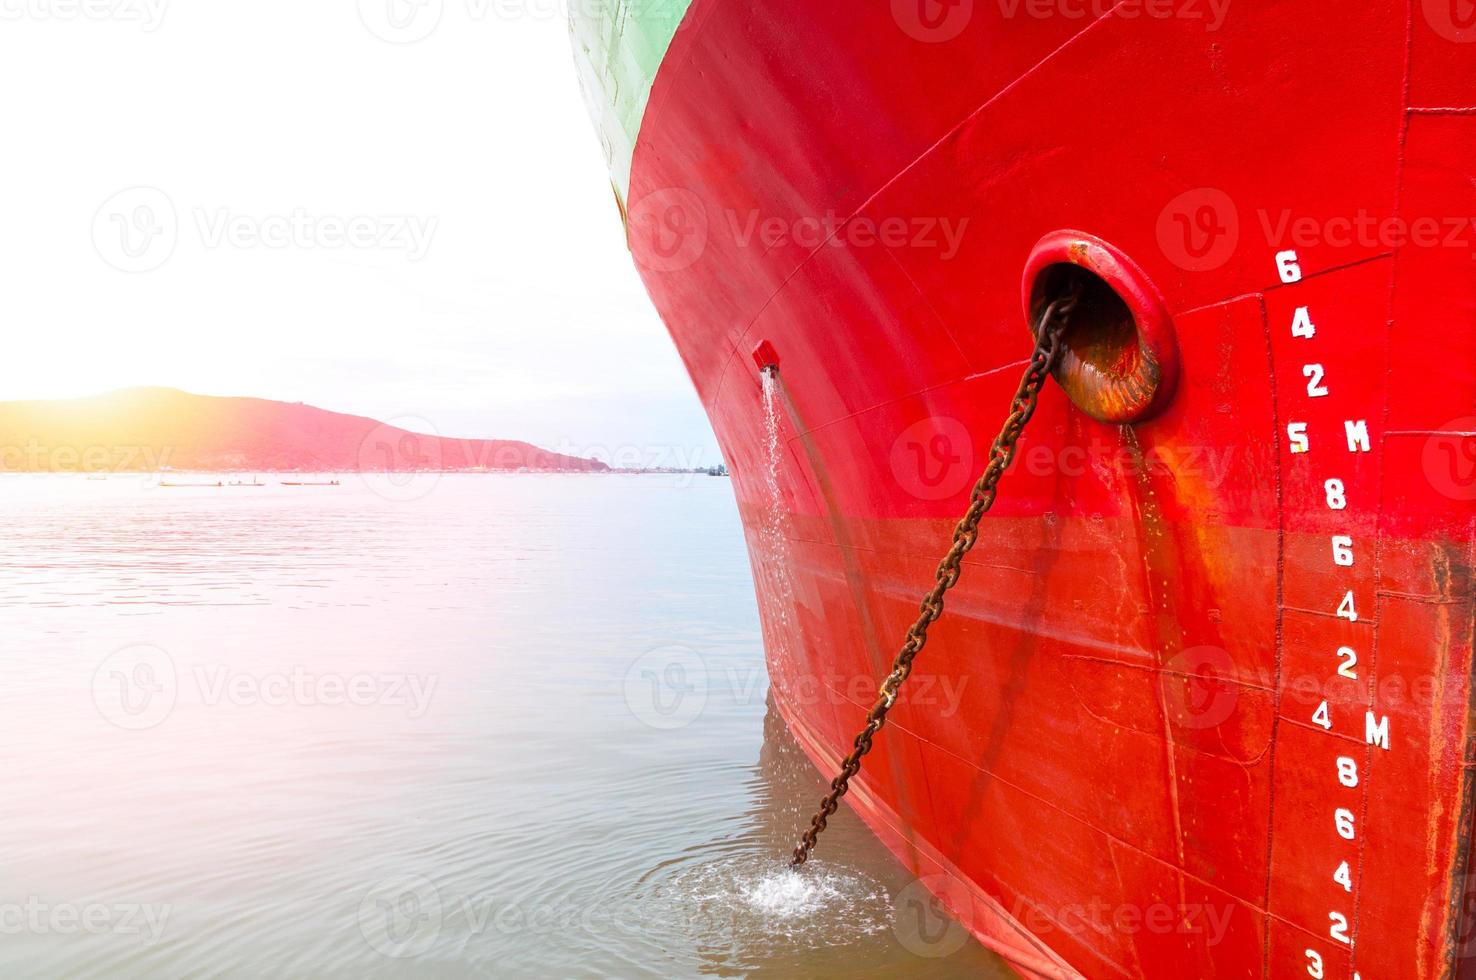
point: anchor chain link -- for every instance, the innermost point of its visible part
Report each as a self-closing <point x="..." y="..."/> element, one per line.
<point x="1049" y="330"/>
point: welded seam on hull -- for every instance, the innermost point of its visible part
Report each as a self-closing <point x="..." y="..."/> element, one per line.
<point x="1280" y="628"/>
<point x="1402" y="143"/>
<point x="892" y="180"/>
<point x="1466" y="825"/>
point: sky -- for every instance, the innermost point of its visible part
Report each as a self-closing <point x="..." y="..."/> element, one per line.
<point x="285" y="199"/>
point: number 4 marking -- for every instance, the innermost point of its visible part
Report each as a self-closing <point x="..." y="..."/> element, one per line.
<point x="1321" y="717"/>
<point x="1344" y="877"/>
<point x="1302" y="325"/>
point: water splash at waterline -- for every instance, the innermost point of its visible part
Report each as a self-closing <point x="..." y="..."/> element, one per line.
<point x="752" y="894"/>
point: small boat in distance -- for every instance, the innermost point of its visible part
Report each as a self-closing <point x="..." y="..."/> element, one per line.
<point x="310" y="483"/>
<point x="218" y="483"/>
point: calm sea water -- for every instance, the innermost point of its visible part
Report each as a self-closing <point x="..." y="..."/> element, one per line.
<point x="489" y="726"/>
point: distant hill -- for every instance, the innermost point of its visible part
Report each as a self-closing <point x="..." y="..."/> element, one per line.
<point x="155" y="428"/>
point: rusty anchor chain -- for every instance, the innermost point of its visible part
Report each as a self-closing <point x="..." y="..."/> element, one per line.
<point x="1049" y="330"/>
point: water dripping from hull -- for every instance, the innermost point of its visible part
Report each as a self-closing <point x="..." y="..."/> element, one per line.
<point x="774" y="577"/>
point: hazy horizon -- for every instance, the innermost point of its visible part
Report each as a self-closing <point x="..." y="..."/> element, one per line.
<point x="303" y="211"/>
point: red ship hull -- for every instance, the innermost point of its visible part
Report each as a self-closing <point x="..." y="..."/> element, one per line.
<point x="1201" y="704"/>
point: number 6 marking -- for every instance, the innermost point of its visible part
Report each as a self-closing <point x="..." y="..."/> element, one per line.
<point x="1287" y="266"/>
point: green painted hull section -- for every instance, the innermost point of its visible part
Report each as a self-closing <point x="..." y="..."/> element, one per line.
<point x="618" y="46"/>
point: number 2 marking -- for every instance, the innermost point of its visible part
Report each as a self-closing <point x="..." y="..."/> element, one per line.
<point x="1339" y="930"/>
<point x="1314" y="375"/>
<point x="1350" y="661"/>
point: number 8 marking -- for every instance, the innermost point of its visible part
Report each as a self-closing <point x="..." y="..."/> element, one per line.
<point x="1337" y="499"/>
